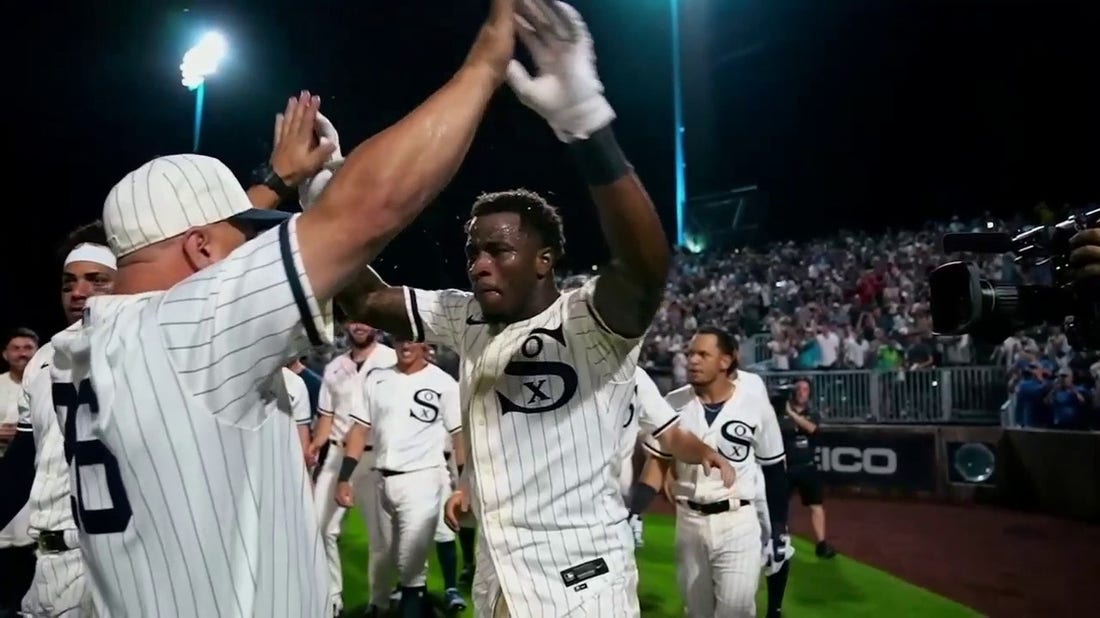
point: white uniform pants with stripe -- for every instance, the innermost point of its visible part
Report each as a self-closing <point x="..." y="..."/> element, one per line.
<point x="330" y="518"/>
<point x="58" y="588"/>
<point x="365" y="487"/>
<point x="409" y="507"/>
<point x="719" y="562"/>
<point x="619" y="600"/>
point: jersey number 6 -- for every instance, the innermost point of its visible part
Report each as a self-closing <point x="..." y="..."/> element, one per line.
<point x="85" y="454"/>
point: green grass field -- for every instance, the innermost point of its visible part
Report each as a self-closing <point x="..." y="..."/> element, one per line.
<point x="838" y="587"/>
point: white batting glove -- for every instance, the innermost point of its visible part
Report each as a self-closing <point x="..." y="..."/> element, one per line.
<point x="309" y="191"/>
<point x="777" y="554"/>
<point x="567" y="92"/>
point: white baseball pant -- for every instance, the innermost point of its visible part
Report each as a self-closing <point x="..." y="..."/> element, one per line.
<point x="365" y="483"/>
<point x="409" y="506"/>
<point x="718" y="562"/>
<point x="330" y="518"/>
<point x="443" y="533"/>
<point x="58" y="587"/>
<point x="619" y="600"/>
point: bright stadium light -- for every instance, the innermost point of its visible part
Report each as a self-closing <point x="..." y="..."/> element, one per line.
<point x="200" y="62"/>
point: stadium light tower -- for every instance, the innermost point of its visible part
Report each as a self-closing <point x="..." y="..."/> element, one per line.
<point x="678" y="121"/>
<point x="200" y="62"/>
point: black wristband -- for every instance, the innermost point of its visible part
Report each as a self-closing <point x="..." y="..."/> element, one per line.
<point x="641" y="495"/>
<point x="600" y="159"/>
<point x="346" y="468"/>
<point x="276" y="183"/>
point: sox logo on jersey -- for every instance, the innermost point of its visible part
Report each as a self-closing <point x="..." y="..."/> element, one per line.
<point x="545" y="403"/>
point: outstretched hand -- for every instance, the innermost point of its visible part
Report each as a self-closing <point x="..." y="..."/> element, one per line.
<point x="298" y="153"/>
<point x="495" y="43"/>
<point x="567" y="91"/>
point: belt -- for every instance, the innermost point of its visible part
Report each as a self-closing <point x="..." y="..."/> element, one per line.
<point x="339" y="443"/>
<point x="367" y="449"/>
<point x="388" y="473"/>
<point x="714" y="508"/>
<point x="52" y="542"/>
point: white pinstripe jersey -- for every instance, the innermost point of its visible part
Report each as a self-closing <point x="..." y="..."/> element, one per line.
<point x="410" y="415"/>
<point x="342" y="388"/>
<point x="50" y="507"/>
<point x="650" y="414"/>
<point x="190" y="493"/>
<point x="544" y="405"/>
<point x="745" y="432"/>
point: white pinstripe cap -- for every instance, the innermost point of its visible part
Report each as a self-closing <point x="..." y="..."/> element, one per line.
<point x="172" y="194"/>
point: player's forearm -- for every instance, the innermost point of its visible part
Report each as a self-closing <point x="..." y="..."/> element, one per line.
<point x="684" y="446"/>
<point x="263" y="197"/>
<point x="640" y="254"/>
<point x="653" y="473"/>
<point x="370" y="300"/>
<point x="777" y="495"/>
<point x="458" y="451"/>
<point x="323" y="430"/>
<point x="389" y="179"/>
<point x="303" y="436"/>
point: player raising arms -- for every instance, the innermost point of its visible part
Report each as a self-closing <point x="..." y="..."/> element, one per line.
<point x="546" y="377"/>
<point x="192" y="500"/>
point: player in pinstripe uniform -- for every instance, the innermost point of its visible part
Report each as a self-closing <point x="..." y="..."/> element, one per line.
<point x="298" y="403"/>
<point x="546" y="377"/>
<point x="410" y="408"/>
<point x="718" y="533"/>
<point x="58" y="586"/>
<point x="203" y="503"/>
<point x="342" y="397"/>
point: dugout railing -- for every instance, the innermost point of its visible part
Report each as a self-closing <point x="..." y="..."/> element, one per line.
<point x="969" y="395"/>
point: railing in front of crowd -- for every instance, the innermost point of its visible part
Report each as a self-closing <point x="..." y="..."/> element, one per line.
<point x="971" y="395"/>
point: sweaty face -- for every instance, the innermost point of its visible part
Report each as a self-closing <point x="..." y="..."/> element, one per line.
<point x="19" y="351"/>
<point x="504" y="263"/>
<point x="361" y="334"/>
<point x="79" y="282"/>
<point x="409" y="352"/>
<point x="706" y="362"/>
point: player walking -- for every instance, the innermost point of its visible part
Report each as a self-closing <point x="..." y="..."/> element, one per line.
<point x="199" y="510"/>
<point x="342" y="398"/>
<point x="546" y="377"/>
<point x="58" y="587"/>
<point x="718" y="548"/>
<point x="410" y="409"/>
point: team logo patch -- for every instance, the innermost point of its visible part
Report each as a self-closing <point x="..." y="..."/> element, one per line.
<point x="738" y="441"/>
<point x="429" y="402"/>
<point x="545" y="385"/>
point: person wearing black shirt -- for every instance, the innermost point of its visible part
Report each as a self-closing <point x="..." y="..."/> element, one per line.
<point x="799" y="426"/>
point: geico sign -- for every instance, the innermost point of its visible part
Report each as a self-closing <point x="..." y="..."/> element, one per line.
<point x="851" y="460"/>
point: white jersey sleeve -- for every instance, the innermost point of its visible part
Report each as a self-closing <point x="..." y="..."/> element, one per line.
<point x="324" y="400"/>
<point x="438" y="316"/>
<point x="231" y="326"/>
<point x="452" y="407"/>
<point x="655" y="416"/>
<point x="299" y="397"/>
<point x="37" y="364"/>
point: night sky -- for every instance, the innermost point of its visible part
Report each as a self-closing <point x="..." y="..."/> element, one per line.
<point x="852" y="113"/>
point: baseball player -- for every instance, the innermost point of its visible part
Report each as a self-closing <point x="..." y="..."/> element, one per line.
<point x="298" y="402"/>
<point x="341" y="397"/>
<point x="16" y="546"/>
<point x="194" y="507"/>
<point x="88" y="268"/>
<point x="410" y="408"/>
<point x="718" y="534"/>
<point x="546" y="377"/>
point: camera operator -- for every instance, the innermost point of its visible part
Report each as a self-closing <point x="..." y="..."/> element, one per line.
<point x="798" y="424"/>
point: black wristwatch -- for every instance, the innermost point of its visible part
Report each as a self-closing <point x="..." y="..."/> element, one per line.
<point x="276" y="183"/>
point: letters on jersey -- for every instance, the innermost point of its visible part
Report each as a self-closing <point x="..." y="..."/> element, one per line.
<point x="540" y="385"/>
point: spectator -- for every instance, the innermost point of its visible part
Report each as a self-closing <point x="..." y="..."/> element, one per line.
<point x="1068" y="402"/>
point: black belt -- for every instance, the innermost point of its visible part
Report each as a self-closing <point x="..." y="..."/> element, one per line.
<point x="714" y="508"/>
<point x="52" y="542"/>
<point x="388" y="473"/>
<point x="340" y="444"/>
<point x="368" y="449"/>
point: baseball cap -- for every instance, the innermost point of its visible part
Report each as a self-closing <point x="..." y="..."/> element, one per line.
<point x="171" y="194"/>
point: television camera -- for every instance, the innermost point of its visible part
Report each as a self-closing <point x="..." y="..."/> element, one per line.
<point x="964" y="302"/>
